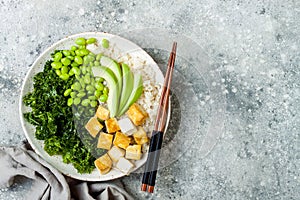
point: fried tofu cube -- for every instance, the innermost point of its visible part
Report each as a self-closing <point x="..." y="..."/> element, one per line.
<point x="121" y="140"/>
<point x="103" y="164"/>
<point x="124" y="165"/>
<point x="126" y="126"/>
<point x="140" y="136"/>
<point x="134" y="152"/>
<point x="137" y="114"/>
<point x="93" y="126"/>
<point x="105" y="141"/>
<point x="115" y="153"/>
<point x="102" y="113"/>
<point x="112" y="125"/>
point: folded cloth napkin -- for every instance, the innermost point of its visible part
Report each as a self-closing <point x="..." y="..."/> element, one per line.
<point x="48" y="183"/>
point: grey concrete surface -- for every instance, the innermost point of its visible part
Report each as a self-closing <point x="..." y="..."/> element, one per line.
<point x="252" y="51"/>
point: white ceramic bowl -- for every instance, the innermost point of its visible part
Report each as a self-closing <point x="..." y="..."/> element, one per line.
<point x="124" y="46"/>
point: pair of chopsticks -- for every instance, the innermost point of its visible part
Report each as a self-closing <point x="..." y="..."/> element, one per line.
<point x="151" y="165"/>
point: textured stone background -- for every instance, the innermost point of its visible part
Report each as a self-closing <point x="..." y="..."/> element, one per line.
<point x="252" y="45"/>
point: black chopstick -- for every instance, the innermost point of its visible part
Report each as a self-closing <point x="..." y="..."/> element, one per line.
<point x="149" y="176"/>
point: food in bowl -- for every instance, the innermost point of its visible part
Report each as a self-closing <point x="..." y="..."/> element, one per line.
<point x="74" y="111"/>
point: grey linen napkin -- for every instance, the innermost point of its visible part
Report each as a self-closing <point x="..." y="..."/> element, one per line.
<point x="50" y="184"/>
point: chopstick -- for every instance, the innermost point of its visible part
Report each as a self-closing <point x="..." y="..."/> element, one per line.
<point x="149" y="176"/>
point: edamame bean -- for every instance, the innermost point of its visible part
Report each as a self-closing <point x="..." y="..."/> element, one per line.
<point x="98" y="57"/>
<point x="70" y="57"/>
<point x="103" y="98"/>
<point x="88" y="59"/>
<point x="64" y="77"/>
<point x="80" y="41"/>
<point x="70" y="102"/>
<point x="75" y="70"/>
<point x="93" y="103"/>
<point x="85" y="102"/>
<point x="67" y="92"/>
<point x="74" y="64"/>
<point x="73" y="94"/>
<point x="65" y="61"/>
<point x="56" y="65"/>
<point x="57" y="56"/>
<point x="84" y="52"/>
<point x="91" y="40"/>
<point x="58" y="72"/>
<point x="81" y="47"/>
<point x="93" y="81"/>
<point x="97" y="93"/>
<point x="99" y="86"/>
<point x="78" y="60"/>
<point x="92" y="54"/>
<point x="72" y="53"/>
<point x="77" y="77"/>
<point x="76" y="86"/>
<point x="90" y="92"/>
<point x="90" y="88"/>
<point x="105" y="43"/>
<point x="88" y="69"/>
<point x="83" y="69"/>
<point x="101" y="79"/>
<point x="66" y="52"/>
<point x="81" y="81"/>
<point x="92" y="98"/>
<point x="78" y="53"/>
<point x="64" y="70"/>
<point x="81" y="94"/>
<point x="87" y="79"/>
<point x="76" y="101"/>
<point x="71" y="72"/>
<point x="73" y="48"/>
<point x="105" y="90"/>
<point x="97" y="63"/>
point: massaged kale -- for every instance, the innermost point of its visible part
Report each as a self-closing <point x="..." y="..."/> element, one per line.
<point x="54" y="120"/>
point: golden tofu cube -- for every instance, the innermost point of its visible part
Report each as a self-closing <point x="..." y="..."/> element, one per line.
<point x="115" y="153"/>
<point x="140" y="136"/>
<point x="105" y="141"/>
<point x="124" y="165"/>
<point x="134" y="152"/>
<point x="137" y="114"/>
<point x="103" y="164"/>
<point x="93" y="126"/>
<point x="112" y="125"/>
<point x="121" y="140"/>
<point x="102" y="113"/>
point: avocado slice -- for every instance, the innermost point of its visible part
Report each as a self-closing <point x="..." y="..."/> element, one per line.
<point x="135" y="93"/>
<point x="114" y="66"/>
<point x="113" y="95"/>
<point x="127" y="86"/>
